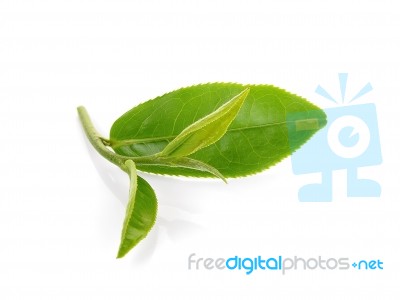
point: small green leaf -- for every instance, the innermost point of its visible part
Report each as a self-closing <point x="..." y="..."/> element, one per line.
<point x="207" y="130"/>
<point x="184" y="162"/>
<point x="141" y="211"/>
<point x="257" y="138"/>
<point x="190" y="163"/>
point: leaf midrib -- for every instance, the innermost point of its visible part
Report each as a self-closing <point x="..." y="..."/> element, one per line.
<point x="120" y="143"/>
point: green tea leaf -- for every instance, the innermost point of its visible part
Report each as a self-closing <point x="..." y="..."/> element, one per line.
<point x="198" y="165"/>
<point x="207" y="130"/>
<point x="141" y="211"/>
<point x="256" y="139"/>
<point x="185" y="162"/>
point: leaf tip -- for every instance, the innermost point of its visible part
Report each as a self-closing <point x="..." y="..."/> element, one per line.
<point x="243" y="94"/>
<point x="121" y="253"/>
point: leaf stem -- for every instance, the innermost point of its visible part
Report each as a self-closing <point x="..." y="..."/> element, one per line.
<point x="117" y="144"/>
<point x="98" y="142"/>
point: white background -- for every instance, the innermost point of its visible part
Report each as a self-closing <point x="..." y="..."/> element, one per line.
<point x="62" y="206"/>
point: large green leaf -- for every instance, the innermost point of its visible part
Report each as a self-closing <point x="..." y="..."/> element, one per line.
<point x="255" y="140"/>
<point x="140" y="213"/>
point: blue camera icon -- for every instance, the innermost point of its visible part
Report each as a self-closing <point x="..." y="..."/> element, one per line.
<point x="349" y="140"/>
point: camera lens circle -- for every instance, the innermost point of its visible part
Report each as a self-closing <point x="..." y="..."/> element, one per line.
<point x="359" y="130"/>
